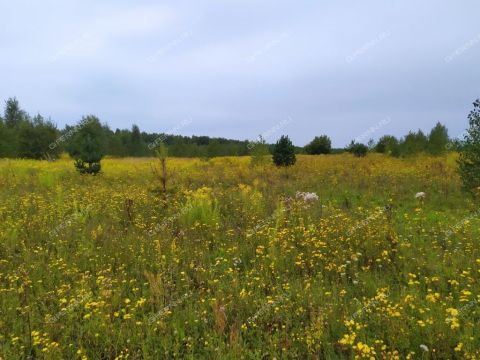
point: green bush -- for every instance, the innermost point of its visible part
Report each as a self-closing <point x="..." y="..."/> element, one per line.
<point x="259" y="152"/>
<point x="358" y="149"/>
<point x="87" y="146"/>
<point x="319" y="145"/>
<point x="284" y="152"/>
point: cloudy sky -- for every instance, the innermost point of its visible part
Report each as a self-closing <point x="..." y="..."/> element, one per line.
<point x="237" y="69"/>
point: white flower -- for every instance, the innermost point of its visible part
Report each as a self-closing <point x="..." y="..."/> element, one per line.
<point x="420" y="195"/>
<point x="306" y="196"/>
<point x="424" y="347"/>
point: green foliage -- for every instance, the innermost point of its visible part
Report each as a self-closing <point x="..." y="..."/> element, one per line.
<point x="201" y="208"/>
<point x="13" y="115"/>
<point x="17" y="130"/>
<point x="21" y="136"/>
<point x="469" y="162"/>
<point x="36" y="139"/>
<point x="213" y="149"/>
<point x="136" y="144"/>
<point x="259" y="152"/>
<point x="284" y="152"/>
<point x="436" y="143"/>
<point x="358" y="149"/>
<point x="389" y="145"/>
<point x="8" y="141"/>
<point x="455" y="145"/>
<point x="84" y="167"/>
<point x="87" y="145"/>
<point x="414" y="143"/>
<point x="438" y="140"/>
<point x="319" y="145"/>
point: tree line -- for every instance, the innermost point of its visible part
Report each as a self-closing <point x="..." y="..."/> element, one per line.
<point x="436" y="142"/>
<point x="89" y="141"/>
<point x="35" y="137"/>
<point x="25" y="136"/>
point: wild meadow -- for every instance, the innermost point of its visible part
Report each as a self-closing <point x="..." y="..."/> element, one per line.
<point x="231" y="263"/>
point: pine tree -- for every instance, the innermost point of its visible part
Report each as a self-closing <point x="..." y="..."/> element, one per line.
<point x="87" y="146"/>
<point x="284" y="152"/>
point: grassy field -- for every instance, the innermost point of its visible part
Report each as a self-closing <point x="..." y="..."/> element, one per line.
<point x="229" y="264"/>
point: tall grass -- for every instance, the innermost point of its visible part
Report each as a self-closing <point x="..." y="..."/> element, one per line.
<point x="229" y="264"/>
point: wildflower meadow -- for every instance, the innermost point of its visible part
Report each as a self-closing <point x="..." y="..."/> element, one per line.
<point x="336" y="257"/>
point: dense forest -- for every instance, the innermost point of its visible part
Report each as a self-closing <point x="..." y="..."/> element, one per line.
<point x="26" y="136"/>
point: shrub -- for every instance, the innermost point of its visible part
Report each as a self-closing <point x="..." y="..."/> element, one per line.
<point x="414" y="143"/>
<point x="201" y="208"/>
<point x="87" y="167"/>
<point x="259" y="152"/>
<point x="389" y="145"/>
<point x="319" y="145"/>
<point x="87" y="146"/>
<point x="284" y="152"/>
<point x="357" y="149"/>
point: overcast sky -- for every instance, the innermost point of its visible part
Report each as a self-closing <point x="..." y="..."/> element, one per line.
<point x="237" y="69"/>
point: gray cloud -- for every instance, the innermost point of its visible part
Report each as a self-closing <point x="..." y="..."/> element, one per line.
<point x="240" y="67"/>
